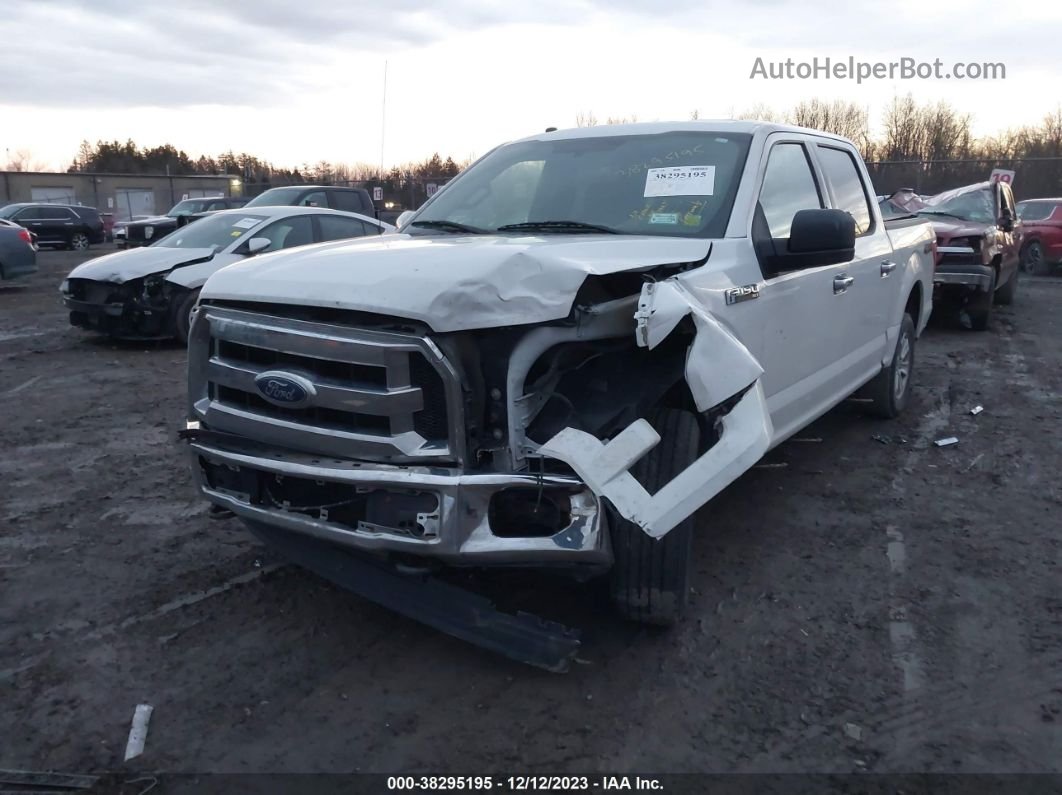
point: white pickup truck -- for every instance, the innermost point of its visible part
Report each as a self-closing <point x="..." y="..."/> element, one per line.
<point x="562" y="356"/>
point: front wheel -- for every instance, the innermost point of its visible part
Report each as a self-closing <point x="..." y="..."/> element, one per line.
<point x="891" y="388"/>
<point x="1032" y="258"/>
<point x="182" y="315"/>
<point x="650" y="576"/>
<point x="79" y="242"/>
<point x="1005" y="294"/>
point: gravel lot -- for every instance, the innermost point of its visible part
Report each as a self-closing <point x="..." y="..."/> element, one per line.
<point x="872" y="605"/>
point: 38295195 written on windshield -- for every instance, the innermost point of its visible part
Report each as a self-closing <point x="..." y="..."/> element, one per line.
<point x="674" y="183"/>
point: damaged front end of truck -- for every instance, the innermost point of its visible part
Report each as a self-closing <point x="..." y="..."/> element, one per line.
<point x="488" y="390"/>
<point x="472" y="447"/>
<point x="492" y="447"/>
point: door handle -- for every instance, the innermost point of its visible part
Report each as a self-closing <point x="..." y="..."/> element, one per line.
<point x="842" y="283"/>
<point x="887" y="267"/>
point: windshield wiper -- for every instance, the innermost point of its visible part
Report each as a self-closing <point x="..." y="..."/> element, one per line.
<point x="450" y="226"/>
<point x="941" y="212"/>
<point x="558" y="226"/>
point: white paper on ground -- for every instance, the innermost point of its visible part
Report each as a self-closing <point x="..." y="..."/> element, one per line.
<point x="138" y="731"/>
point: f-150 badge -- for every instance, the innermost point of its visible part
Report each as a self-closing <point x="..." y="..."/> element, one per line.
<point x="735" y="295"/>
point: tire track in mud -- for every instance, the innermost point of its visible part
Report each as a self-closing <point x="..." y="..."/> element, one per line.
<point x="927" y="701"/>
<point x="970" y="695"/>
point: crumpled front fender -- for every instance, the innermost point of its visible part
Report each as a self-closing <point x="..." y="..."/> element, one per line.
<point x="718" y="367"/>
<point x="604" y="466"/>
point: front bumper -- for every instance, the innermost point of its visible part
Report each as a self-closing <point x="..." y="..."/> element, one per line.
<point x="460" y="526"/>
<point x="123" y="319"/>
<point x="969" y="275"/>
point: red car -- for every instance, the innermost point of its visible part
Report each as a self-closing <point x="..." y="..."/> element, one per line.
<point x="1042" y="248"/>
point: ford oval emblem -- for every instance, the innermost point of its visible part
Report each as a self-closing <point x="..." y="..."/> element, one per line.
<point x="286" y="390"/>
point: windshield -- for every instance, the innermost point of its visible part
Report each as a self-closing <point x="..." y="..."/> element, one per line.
<point x="9" y="210"/>
<point x="275" y="197"/>
<point x="189" y="206"/>
<point x="674" y="183"/>
<point x="977" y="205"/>
<point x="214" y="232"/>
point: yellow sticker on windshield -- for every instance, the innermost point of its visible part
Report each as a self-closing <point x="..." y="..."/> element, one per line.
<point x="237" y="233"/>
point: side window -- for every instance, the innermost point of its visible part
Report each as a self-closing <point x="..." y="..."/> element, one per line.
<point x="344" y="200"/>
<point x="55" y="214"/>
<point x="289" y="232"/>
<point x="849" y="194"/>
<point x="1034" y="211"/>
<point x="28" y="214"/>
<point x="788" y="186"/>
<point x="218" y="205"/>
<point x="315" y="199"/>
<point x="336" y="227"/>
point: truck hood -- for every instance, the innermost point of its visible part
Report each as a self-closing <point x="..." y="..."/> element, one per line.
<point x="123" y="266"/>
<point x="957" y="228"/>
<point x="448" y="283"/>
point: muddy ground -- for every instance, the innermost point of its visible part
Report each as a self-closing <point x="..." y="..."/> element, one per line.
<point x="872" y="605"/>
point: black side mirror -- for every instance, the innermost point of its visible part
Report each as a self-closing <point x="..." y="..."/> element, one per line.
<point x="1006" y="223"/>
<point x="816" y="238"/>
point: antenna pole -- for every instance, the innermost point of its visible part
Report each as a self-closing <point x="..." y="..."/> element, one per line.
<point x="383" y="121"/>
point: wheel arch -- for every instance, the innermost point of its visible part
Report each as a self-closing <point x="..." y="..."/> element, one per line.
<point x="913" y="307"/>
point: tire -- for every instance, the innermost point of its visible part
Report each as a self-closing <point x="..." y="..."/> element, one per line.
<point x="1005" y="294"/>
<point x="650" y="577"/>
<point x="79" y="241"/>
<point x="979" y="311"/>
<point x="1032" y="258"/>
<point x="182" y="315"/>
<point x="890" y="389"/>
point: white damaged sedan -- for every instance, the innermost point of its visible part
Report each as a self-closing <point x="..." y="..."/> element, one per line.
<point x="151" y="292"/>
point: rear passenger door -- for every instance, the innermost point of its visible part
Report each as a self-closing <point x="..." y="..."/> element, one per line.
<point x="873" y="291"/>
<point x="339" y="227"/>
<point x="804" y="315"/>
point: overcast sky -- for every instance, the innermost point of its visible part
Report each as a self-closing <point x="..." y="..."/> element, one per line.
<point x="302" y="81"/>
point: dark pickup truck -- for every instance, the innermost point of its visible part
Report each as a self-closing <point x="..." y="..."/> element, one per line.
<point x="148" y="230"/>
<point x="352" y="200"/>
<point x="979" y="240"/>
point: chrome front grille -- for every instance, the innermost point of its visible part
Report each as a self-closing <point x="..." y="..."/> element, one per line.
<point x="377" y="395"/>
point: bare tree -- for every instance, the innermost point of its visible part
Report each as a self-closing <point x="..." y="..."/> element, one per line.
<point x="23" y="160"/>
<point x="585" y="119"/>
<point x="760" y="112"/>
<point x="838" y="117"/>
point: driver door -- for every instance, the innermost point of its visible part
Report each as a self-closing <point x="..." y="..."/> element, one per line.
<point x="804" y="317"/>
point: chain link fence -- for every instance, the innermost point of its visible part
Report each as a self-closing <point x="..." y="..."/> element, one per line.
<point x="1034" y="177"/>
